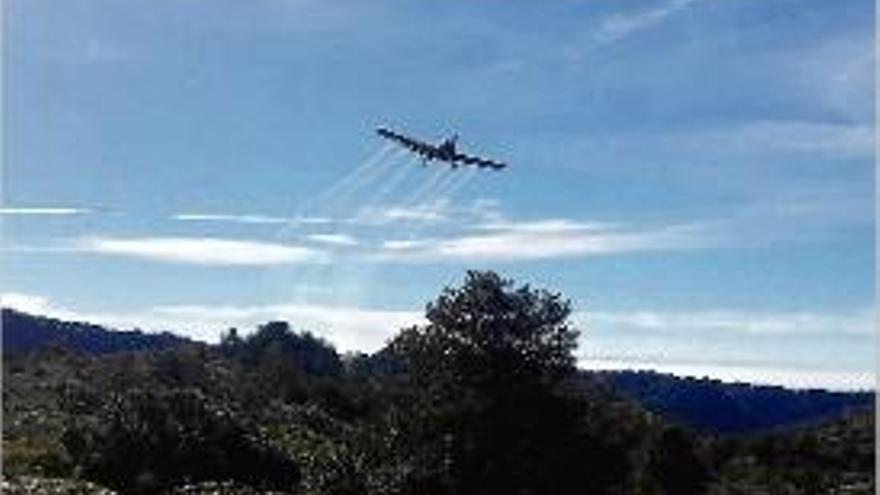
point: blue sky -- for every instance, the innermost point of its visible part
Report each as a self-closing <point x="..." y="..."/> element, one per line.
<point x="696" y="175"/>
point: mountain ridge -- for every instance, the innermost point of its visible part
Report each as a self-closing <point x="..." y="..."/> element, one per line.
<point x="704" y="404"/>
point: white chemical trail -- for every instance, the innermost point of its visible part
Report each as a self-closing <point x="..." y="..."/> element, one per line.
<point x="349" y="186"/>
<point x="358" y="173"/>
<point x="370" y="176"/>
<point x="425" y="188"/>
<point x="389" y="186"/>
<point x="323" y="205"/>
<point x="438" y="192"/>
<point x="462" y="181"/>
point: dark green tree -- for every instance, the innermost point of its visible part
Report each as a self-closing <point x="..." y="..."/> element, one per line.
<point x="676" y="465"/>
<point x="275" y="340"/>
<point x="490" y="412"/>
<point x="144" y="442"/>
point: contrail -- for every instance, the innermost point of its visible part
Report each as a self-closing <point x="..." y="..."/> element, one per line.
<point x="384" y="177"/>
<point x="436" y="189"/>
<point x="314" y="205"/>
<point x="441" y="186"/>
<point x="442" y="192"/>
<point x="465" y="179"/>
<point x="405" y="170"/>
<point x="333" y="200"/>
<point x="356" y="176"/>
<point x="440" y="189"/>
<point x="366" y="186"/>
<point x="427" y="186"/>
<point x="371" y="174"/>
<point x="390" y="163"/>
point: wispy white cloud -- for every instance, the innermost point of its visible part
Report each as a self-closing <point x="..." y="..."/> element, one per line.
<point x="334" y="239"/>
<point x="759" y="346"/>
<point x="383" y="215"/>
<point x="49" y="211"/>
<point x="251" y="219"/>
<point x="28" y="303"/>
<point x="430" y="212"/>
<point x="480" y="231"/>
<point x="210" y="217"/>
<point x="487" y="210"/>
<point x="619" y="26"/>
<point x="312" y="220"/>
<point x="506" y="242"/>
<point x="731" y="323"/>
<point x="348" y="328"/>
<point x="201" y="250"/>
<point x="551" y="225"/>
<point x="147" y="319"/>
<point x="407" y="244"/>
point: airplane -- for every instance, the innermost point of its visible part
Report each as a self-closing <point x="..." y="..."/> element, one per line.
<point x="445" y="151"/>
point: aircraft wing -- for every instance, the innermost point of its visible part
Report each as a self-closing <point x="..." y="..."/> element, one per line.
<point x="407" y="142"/>
<point x="480" y="162"/>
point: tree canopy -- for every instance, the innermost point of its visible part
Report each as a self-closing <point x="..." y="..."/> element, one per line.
<point x="490" y="408"/>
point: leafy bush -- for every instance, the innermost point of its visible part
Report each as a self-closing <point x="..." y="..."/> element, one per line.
<point x="147" y="441"/>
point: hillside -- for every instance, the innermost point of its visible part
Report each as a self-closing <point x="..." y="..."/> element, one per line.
<point x="704" y="404"/>
<point x="835" y="457"/>
<point x="733" y="407"/>
<point x="23" y="333"/>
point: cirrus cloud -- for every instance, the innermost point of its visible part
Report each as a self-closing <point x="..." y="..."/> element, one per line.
<point x="336" y="239"/>
<point x="619" y="26"/>
<point x="201" y="250"/>
<point x="524" y="241"/>
<point x="348" y="328"/>
<point x="49" y="211"/>
<point x="857" y="323"/>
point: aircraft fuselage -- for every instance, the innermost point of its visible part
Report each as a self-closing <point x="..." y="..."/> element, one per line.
<point x="445" y="151"/>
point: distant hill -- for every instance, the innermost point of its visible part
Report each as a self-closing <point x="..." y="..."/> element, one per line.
<point x="732" y="407"/>
<point x="703" y="404"/>
<point x="23" y="332"/>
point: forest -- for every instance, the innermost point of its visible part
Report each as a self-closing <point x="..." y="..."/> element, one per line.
<point x="486" y="398"/>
